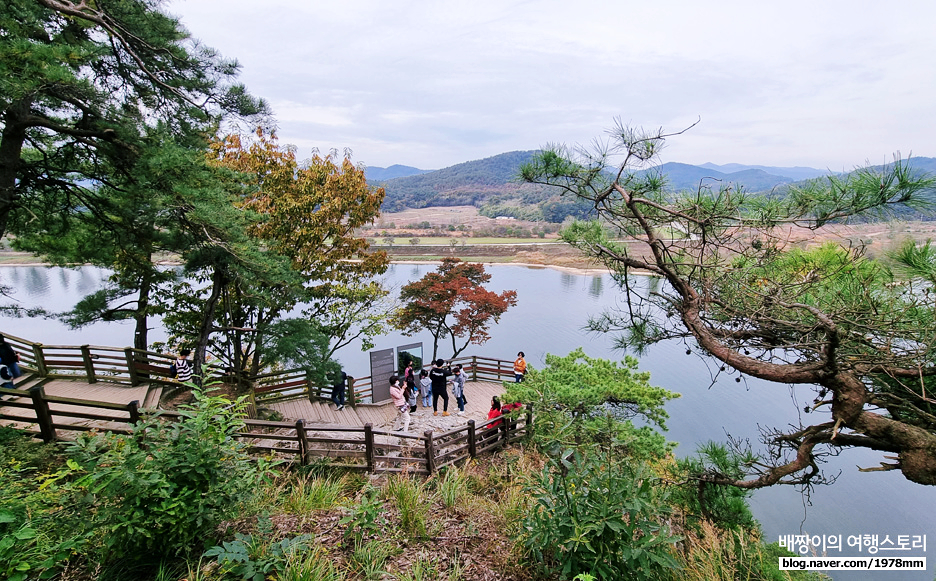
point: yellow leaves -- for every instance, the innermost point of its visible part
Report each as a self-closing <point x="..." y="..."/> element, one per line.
<point x="311" y="210"/>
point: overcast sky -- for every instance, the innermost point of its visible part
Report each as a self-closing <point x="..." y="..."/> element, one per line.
<point x="826" y="84"/>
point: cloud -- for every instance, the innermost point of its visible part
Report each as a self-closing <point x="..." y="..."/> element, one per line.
<point x="434" y="84"/>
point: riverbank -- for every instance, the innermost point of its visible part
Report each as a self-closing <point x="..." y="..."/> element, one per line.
<point x="558" y="256"/>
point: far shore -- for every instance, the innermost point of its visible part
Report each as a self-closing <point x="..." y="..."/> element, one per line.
<point x="578" y="270"/>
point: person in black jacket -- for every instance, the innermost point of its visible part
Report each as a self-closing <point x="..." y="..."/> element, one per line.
<point x="338" y="389"/>
<point x="10" y="359"/>
<point x="438" y="376"/>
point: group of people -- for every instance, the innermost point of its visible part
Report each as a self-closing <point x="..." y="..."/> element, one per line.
<point x="411" y="389"/>
<point x="407" y="393"/>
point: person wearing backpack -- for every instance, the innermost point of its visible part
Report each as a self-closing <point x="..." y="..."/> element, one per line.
<point x="6" y="377"/>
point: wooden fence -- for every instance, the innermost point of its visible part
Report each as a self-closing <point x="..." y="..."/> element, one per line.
<point x="131" y="366"/>
<point x="92" y="363"/>
<point x="364" y="448"/>
<point x="295" y="383"/>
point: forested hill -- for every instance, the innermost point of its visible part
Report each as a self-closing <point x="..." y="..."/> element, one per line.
<point x="492" y="185"/>
<point x="469" y="183"/>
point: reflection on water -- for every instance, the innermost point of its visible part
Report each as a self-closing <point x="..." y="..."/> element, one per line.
<point x="568" y="281"/>
<point x="596" y="286"/>
<point x="549" y="317"/>
<point x="37" y="281"/>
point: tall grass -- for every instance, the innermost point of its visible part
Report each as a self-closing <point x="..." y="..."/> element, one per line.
<point x="715" y="554"/>
<point x="315" y="565"/>
<point x="307" y="493"/>
<point x="414" y="501"/>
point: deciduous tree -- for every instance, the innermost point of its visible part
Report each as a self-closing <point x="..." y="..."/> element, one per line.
<point x="829" y="319"/>
<point x="451" y="302"/>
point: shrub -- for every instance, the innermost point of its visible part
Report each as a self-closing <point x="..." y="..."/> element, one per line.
<point x="598" y="515"/>
<point x="40" y="524"/>
<point x="164" y="488"/>
<point x="726" y="506"/>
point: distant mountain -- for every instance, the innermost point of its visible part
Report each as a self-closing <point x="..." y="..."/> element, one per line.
<point x="469" y="183"/>
<point x="492" y="185"/>
<point x="381" y="174"/>
<point x="795" y="173"/>
<point x="682" y="176"/>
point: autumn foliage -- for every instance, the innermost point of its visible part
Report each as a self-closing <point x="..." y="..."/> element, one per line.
<point x="451" y="302"/>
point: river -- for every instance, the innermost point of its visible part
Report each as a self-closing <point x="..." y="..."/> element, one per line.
<point x="552" y="308"/>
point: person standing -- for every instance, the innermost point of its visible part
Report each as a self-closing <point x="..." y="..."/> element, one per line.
<point x="182" y="368"/>
<point x="409" y="375"/>
<point x="338" y="389"/>
<point x="519" y="367"/>
<point x="438" y="377"/>
<point x="458" y="388"/>
<point x="425" y="387"/>
<point x="398" y="395"/>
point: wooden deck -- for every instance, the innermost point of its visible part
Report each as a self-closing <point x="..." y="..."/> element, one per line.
<point x="101" y="391"/>
<point x="478" y="394"/>
<point x="322" y="413"/>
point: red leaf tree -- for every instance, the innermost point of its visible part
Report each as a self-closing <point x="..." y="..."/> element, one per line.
<point x="452" y="303"/>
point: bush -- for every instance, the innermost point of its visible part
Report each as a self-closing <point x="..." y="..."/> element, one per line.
<point x="40" y="525"/>
<point x="601" y="516"/>
<point x="162" y="490"/>
<point x="726" y="506"/>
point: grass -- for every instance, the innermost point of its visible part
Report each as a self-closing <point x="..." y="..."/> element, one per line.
<point x="462" y="524"/>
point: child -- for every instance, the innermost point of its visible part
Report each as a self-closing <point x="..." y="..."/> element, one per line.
<point x="458" y="388"/>
<point x="425" y="388"/>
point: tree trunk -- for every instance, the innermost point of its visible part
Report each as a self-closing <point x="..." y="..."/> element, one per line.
<point x="11" y="149"/>
<point x="218" y="280"/>
<point x="141" y="332"/>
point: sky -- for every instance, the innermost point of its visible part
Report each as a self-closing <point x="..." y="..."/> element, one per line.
<point x="831" y="84"/>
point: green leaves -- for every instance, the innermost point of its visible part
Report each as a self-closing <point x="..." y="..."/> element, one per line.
<point x="167" y="485"/>
<point x="599" y="515"/>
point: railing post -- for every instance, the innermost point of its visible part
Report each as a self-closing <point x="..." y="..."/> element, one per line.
<point x="349" y="392"/>
<point x="43" y="414"/>
<point x="303" y="442"/>
<point x="472" y="444"/>
<point x="134" y="408"/>
<point x="369" y="447"/>
<point x="88" y="363"/>
<point x="529" y="421"/>
<point x="474" y="368"/>
<point x="131" y="366"/>
<point x="309" y="386"/>
<point x="39" y="354"/>
<point x="430" y="451"/>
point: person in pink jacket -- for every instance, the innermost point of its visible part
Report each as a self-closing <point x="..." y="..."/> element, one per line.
<point x="398" y="395"/>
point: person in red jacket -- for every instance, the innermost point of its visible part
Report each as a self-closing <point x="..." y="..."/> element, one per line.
<point x="495" y="412"/>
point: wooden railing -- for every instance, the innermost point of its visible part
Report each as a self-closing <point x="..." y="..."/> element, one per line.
<point x="295" y="384"/>
<point x="363" y="448"/>
<point x="135" y="366"/>
<point x="92" y="363"/>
